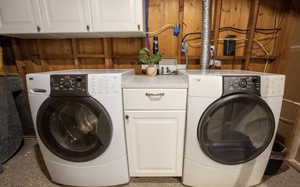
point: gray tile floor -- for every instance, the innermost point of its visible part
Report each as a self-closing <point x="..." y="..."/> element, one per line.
<point x="26" y="169"/>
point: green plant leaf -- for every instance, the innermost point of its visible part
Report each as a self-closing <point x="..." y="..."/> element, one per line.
<point x="145" y="56"/>
<point x="156" y="58"/>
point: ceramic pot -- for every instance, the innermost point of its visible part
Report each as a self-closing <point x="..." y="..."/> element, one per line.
<point x="151" y="70"/>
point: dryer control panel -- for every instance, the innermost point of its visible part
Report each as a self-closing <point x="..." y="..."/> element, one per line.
<point x="68" y="85"/>
<point x="241" y="84"/>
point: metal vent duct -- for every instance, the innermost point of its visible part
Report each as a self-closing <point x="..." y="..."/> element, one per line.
<point x="205" y="58"/>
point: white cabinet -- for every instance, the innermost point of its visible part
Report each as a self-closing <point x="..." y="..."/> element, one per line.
<point x="71" y="17"/>
<point x="155" y="133"/>
<point x="155" y="142"/>
<point x="117" y="15"/>
<point x="65" y="16"/>
<point x="19" y="16"/>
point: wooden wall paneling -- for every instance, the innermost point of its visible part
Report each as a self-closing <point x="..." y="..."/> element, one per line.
<point x="253" y="17"/>
<point x="268" y="17"/>
<point x="125" y="52"/>
<point x="90" y="46"/>
<point x="75" y="53"/>
<point x="285" y="39"/>
<point x="30" y="55"/>
<point x="161" y="13"/>
<point x="20" y="65"/>
<point x="108" y="52"/>
<point x="91" y="53"/>
<point x="43" y="63"/>
<point x="193" y="23"/>
<point x="234" y="14"/>
<point x="58" y="48"/>
<point x="55" y="54"/>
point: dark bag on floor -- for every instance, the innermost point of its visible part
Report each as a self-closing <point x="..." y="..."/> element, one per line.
<point x="11" y="134"/>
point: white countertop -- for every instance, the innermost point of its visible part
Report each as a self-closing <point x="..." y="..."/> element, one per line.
<point x="159" y="81"/>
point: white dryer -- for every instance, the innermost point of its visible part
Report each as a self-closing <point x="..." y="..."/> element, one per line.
<point x="78" y="119"/>
<point x="232" y="120"/>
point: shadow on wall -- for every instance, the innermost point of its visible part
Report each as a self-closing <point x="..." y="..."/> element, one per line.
<point x="283" y="6"/>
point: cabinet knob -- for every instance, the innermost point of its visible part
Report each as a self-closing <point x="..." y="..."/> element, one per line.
<point x="88" y="28"/>
<point x="126" y="117"/>
<point x="38" y="28"/>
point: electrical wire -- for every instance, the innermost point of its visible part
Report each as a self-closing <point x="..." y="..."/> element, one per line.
<point x="258" y="30"/>
<point x="242" y="31"/>
<point x="262" y="47"/>
<point x="274" y="31"/>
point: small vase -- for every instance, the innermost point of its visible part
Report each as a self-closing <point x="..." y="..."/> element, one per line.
<point x="151" y="70"/>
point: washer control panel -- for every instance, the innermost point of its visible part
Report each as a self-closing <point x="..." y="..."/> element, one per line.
<point x="241" y="84"/>
<point x="68" y="85"/>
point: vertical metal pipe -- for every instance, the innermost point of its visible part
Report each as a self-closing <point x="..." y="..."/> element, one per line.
<point x="205" y="58"/>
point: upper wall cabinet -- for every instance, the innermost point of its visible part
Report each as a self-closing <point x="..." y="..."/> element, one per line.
<point x="65" y="16"/>
<point x="19" y="16"/>
<point x="117" y="15"/>
<point x="71" y="18"/>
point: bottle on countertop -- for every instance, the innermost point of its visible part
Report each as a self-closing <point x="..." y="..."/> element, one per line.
<point x="155" y="45"/>
<point x="155" y="48"/>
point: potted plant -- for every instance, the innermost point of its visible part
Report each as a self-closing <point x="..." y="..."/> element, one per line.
<point x="146" y="57"/>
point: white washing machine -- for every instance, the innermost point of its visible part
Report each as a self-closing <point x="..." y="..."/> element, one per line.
<point x="232" y="120"/>
<point x="78" y="118"/>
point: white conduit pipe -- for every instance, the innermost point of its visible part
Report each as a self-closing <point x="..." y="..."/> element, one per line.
<point x="205" y="58"/>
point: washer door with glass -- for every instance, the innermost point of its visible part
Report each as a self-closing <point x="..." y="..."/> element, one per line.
<point x="236" y="129"/>
<point x="77" y="129"/>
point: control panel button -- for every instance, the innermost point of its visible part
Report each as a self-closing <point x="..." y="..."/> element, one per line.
<point x="243" y="83"/>
<point x="65" y="85"/>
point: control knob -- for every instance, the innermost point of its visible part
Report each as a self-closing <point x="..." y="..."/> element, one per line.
<point x="243" y="83"/>
<point x="68" y="84"/>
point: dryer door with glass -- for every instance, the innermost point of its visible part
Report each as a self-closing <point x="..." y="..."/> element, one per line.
<point x="77" y="129"/>
<point x="236" y="128"/>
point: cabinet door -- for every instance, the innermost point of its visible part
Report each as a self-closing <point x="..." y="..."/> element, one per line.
<point x="155" y="142"/>
<point x="19" y="16"/>
<point x="65" y="16"/>
<point x="117" y="15"/>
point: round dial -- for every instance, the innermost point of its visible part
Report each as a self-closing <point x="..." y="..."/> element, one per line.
<point x="243" y="83"/>
<point x="68" y="84"/>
